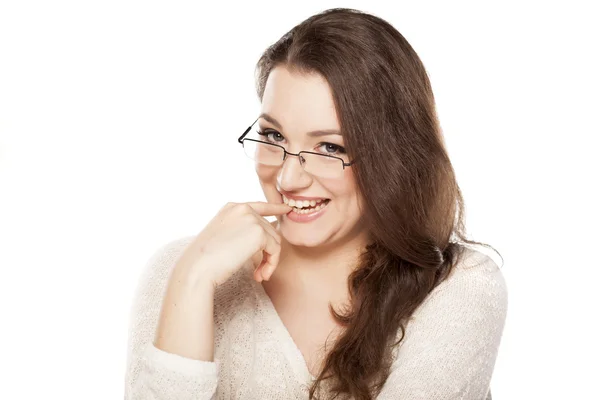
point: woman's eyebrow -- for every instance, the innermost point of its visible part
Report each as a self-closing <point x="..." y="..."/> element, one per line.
<point x="320" y="132"/>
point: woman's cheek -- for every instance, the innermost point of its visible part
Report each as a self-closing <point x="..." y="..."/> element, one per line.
<point x="265" y="172"/>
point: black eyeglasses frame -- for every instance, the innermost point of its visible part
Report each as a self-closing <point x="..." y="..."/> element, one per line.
<point x="286" y="153"/>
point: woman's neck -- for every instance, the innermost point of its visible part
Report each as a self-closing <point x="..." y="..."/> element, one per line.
<point x="322" y="270"/>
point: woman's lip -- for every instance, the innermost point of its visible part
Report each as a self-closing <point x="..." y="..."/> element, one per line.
<point x="290" y="197"/>
<point x="306" y="217"/>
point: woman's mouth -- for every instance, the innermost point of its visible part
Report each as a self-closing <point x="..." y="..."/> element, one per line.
<point x="311" y="209"/>
<point x="305" y="207"/>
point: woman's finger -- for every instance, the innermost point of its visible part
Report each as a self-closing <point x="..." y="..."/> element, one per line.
<point x="269" y="209"/>
<point x="269" y="261"/>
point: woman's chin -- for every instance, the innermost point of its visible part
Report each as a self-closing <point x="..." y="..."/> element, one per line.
<point x="295" y="237"/>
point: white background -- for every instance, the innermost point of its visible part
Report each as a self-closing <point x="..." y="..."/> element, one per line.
<point x="118" y="127"/>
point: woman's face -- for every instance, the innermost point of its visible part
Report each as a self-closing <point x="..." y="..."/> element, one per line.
<point x="292" y="106"/>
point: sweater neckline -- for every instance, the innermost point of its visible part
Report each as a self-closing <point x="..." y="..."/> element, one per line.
<point x="284" y="339"/>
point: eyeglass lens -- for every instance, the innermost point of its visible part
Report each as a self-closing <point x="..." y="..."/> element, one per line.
<point x="273" y="155"/>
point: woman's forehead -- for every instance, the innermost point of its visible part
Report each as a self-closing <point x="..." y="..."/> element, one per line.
<point x="299" y="100"/>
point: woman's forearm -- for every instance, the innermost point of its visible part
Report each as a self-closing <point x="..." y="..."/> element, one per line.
<point x="185" y="325"/>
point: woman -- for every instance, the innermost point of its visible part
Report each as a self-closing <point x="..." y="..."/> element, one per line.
<point x="363" y="286"/>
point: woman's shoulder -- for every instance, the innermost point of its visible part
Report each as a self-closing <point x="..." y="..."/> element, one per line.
<point x="157" y="269"/>
<point x="475" y="283"/>
<point x="453" y="337"/>
<point x="469" y="305"/>
<point x="470" y="257"/>
<point x="479" y="268"/>
<point x="163" y="260"/>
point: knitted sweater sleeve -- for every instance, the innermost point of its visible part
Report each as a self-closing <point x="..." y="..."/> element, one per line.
<point x="151" y="373"/>
<point x="454" y="339"/>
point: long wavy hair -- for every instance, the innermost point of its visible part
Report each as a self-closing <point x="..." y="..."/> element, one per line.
<point x="413" y="206"/>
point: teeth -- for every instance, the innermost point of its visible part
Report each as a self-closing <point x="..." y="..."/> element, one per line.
<point x="300" y="204"/>
<point x="309" y="211"/>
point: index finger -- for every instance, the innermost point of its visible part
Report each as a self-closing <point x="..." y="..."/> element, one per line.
<point x="267" y="209"/>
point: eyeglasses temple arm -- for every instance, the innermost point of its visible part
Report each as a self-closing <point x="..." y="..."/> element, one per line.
<point x="246" y="131"/>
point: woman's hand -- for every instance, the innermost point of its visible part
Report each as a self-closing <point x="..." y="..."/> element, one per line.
<point x="236" y="234"/>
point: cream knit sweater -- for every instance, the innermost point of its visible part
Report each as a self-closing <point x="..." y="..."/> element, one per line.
<point x="449" y="350"/>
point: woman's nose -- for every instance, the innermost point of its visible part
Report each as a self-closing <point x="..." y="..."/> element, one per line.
<point x="292" y="175"/>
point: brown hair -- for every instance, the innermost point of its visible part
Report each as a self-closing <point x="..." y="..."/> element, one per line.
<point x="412" y="202"/>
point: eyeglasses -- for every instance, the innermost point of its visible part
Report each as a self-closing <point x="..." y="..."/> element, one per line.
<point x="268" y="153"/>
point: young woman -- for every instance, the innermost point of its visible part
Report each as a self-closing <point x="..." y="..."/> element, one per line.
<point x="363" y="287"/>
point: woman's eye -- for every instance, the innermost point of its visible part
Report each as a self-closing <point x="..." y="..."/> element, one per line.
<point x="333" y="149"/>
<point x="271" y="136"/>
<point x="325" y="148"/>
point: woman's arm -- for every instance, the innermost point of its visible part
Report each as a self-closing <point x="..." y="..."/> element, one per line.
<point x="173" y="370"/>
<point x="452" y="342"/>
<point x="185" y="326"/>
